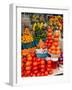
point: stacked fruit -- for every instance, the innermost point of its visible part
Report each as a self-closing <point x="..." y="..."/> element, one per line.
<point x="49" y="38"/>
<point x="33" y="66"/>
<point x="55" y="49"/>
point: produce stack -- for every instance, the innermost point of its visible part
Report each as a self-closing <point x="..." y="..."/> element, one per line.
<point x="33" y="66"/>
<point x="49" y="38"/>
<point x="55" y="48"/>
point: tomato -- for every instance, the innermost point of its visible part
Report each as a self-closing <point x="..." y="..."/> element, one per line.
<point x="49" y="37"/>
<point x="49" y="62"/>
<point x="32" y="55"/>
<point x="28" y="63"/>
<point x="42" y="66"/>
<point x="42" y="74"/>
<point x="49" y="34"/>
<point x="28" y="68"/>
<point x="35" y="68"/>
<point x="35" y="63"/>
<point x="48" y="69"/>
<point x="56" y="39"/>
<point x="50" y="41"/>
<point x="23" y="59"/>
<point x="42" y="70"/>
<point x="53" y="51"/>
<point x="56" y="44"/>
<point x="34" y="58"/>
<point x="27" y="72"/>
<point x="35" y="71"/>
<point x="22" y="65"/>
<point x="42" y="61"/>
<point x="47" y="41"/>
<point x="31" y="74"/>
<point x="49" y="65"/>
<point x="58" y="52"/>
<point x="29" y="58"/>
<point x="50" y="72"/>
<point x="38" y="74"/>
<point x="46" y="73"/>
<point x="49" y="50"/>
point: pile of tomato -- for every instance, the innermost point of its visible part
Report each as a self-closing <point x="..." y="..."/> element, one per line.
<point x="34" y="66"/>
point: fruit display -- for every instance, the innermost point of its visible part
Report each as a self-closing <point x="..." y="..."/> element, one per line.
<point x="41" y="44"/>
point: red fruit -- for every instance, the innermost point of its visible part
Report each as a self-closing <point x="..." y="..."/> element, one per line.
<point x="47" y="41"/>
<point x="35" y="68"/>
<point x="49" y="37"/>
<point x="50" y="41"/>
<point x="56" y="44"/>
<point x="23" y="59"/>
<point x="42" y="61"/>
<point x="50" y="72"/>
<point x="42" y="66"/>
<point x="42" y="70"/>
<point x="38" y="74"/>
<point x="35" y="63"/>
<point x="28" y="63"/>
<point x="27" y="72"/>
<point x="31" y="74"/>
<point x="49" y="62"/>
<point x="34" y="58"/>
<point x="35" y="71"/>
<point x="29" y="58"/>
<point x="49" y="65"/>
<point x="42" y="74"/>
<point x="48" y="69"/>
<point x="49" y="34"/>
<point x="56" y="39"/>
<point x="28" y="68"/>
<point x="32" y="54"/>
<point x="46" y="73"/>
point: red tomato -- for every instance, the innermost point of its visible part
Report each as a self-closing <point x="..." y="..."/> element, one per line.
<point x="42" y="74"/>
<point x="23" y="59"/>
<point x="34" y="58"/>
<point x="28" y="68"/>
<point x="34" y="74"/>
<point x="35" y="67"/>
<point x="38" y="74"/>
<point x="56" y="39"/>
<point x="35" y="63"/>
<point x="31" y="74"/>
<point x="50" y="72"/>
<point x="42" y="61"/>
<point x="49" y="65"/>
<point x="42" y="66"/>
<point x="48" y="69"/>
<point x="29" y="58"/>
<point x="49" y="37"/>
<point x="47" y="41"/>
<point x="28" y="63"/>
<point x="49" y="62"/>
<point x="46" y="73"/>
<point x="49" y="34"/>
<point x="27" y="72"/>
<point x="50" y="41"/>
<point x="56" y="44"/>
<point x="42" y="70"/>
<point x="35" y="71"/>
